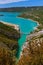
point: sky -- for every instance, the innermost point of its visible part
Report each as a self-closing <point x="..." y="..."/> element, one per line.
<point x="20" y="3"/>
<point x="9" y="1"/>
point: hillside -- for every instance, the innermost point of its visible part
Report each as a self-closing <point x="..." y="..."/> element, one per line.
<point x="8" y="44"/>
<point x="32" y="53"/>
<point x="20" y="9"/>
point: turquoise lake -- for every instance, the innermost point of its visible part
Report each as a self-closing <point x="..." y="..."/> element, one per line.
<point x="26" y="26"/>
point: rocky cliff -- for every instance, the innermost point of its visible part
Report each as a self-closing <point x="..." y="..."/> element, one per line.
<point x="8" y="44"/>
<point x="32" y="53"/>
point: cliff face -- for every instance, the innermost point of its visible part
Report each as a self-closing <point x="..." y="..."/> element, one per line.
<point x="32" y="53"/>
<point x="8" y="44"/>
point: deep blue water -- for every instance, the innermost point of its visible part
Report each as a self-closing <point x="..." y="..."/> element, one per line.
<point x="26" y="26"/>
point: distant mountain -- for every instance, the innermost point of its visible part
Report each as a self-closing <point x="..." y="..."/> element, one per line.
<point x="20" y="9"/>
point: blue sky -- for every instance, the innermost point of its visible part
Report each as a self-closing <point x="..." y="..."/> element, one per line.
<point x="20" y="3"/>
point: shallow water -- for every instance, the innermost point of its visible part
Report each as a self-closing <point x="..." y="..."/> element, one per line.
<point x="26" y="26"/>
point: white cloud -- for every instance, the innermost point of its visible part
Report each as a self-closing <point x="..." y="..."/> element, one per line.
<point x="9" y="1"/>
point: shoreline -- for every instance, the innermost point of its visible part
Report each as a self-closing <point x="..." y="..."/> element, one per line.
<point x="10" y="24"/>
<point x="25" y="43"/>
<point x="30" y="19"/>
<point x="35" y="28"/>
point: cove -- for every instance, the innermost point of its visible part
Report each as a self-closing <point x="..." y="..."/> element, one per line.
<point x="26" y="26"/>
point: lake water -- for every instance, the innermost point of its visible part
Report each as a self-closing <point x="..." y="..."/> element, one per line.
<point x="26" y="26"/>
